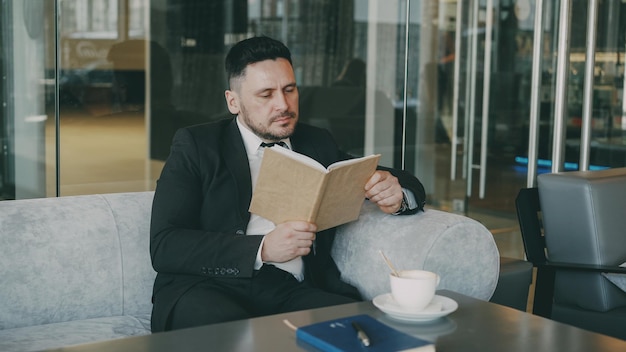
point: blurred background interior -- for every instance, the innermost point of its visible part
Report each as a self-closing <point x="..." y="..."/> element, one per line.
<point x="93" y="90"/>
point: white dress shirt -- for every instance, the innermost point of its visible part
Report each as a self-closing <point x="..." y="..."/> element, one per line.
<point x="259" y="225"/>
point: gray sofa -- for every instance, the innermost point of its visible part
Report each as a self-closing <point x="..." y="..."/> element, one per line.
<point x="77" y="269"/>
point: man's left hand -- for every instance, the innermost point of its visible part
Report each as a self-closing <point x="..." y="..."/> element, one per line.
<point x="384" y="189"/>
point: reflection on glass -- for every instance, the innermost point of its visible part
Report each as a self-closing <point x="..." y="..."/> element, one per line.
<point x="89" y="19"/>
<point x="378" y="74"/>
<point x="25" y="86"/>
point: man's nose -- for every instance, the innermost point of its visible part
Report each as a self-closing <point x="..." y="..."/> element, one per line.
<point x="280" y="102"/>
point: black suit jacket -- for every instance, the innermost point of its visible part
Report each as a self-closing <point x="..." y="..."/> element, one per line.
<point x="200" y="213"/>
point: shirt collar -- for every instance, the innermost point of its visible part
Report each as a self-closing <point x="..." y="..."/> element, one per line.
<point x="251" y="140"/>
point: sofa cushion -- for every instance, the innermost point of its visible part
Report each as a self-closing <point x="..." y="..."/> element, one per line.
<point x="73" y="258"/>
<point x="132" y="218"/>
<point x="48" y="336"/>
<point x="60" y="261"/>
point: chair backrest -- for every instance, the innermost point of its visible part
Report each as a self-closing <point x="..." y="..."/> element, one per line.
<point x="584" y="217"/>
<point x="529" y="215"/>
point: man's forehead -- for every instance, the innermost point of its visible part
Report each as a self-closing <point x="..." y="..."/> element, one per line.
<point x="269" y="67"/>
<point x="269" y="73"/>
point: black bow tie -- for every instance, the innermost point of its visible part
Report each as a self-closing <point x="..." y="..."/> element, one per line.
<point x="268" y="145"/>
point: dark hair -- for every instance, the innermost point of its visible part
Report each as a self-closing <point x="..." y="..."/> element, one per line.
<point x="251" y="50"/>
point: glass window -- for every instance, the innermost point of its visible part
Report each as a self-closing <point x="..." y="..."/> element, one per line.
<point x="137" y="13"/>
<point x="440" y="88"/>
<point x="89" y="19"/>
<point x="27" y="120"/>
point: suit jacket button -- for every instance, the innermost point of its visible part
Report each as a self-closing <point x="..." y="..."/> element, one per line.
<point x="239" y="232"/>
<point x="204" y="270"/>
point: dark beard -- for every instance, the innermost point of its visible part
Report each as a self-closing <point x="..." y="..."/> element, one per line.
<point x="267" y="135"/>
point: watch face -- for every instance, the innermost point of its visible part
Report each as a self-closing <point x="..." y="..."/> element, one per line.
<point x="522" y="9"/>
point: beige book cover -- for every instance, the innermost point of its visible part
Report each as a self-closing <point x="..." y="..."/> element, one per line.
<point x="293" y="186"/>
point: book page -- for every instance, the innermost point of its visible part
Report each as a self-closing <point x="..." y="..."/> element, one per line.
<point x="341" y="163"/>
<point x="287" y="188"/>
<point x="344" y="192"/>
<point x="301" y="157"/>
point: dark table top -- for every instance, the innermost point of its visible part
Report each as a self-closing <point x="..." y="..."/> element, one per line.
<point x="475" y="326"/>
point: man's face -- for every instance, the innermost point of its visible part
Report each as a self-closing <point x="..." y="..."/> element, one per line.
<point x="266" y="99"/>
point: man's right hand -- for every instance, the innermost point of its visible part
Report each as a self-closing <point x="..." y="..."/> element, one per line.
<point x="287" y="241"/>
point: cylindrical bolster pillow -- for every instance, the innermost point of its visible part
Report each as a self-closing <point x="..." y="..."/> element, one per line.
<point x="461" y="250"/>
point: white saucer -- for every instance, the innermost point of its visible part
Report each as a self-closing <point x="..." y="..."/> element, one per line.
<point x="387" y="304"/>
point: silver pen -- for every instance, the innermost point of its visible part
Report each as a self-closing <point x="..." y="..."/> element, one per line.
<point x="360" y="334"/>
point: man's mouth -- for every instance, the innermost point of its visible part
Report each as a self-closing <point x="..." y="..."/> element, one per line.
<point x="283" y="118"/>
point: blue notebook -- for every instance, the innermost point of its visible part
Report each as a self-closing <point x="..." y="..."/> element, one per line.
<point x="340" y="335"/>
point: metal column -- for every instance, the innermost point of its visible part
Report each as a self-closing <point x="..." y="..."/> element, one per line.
<point x="590" y="62"/>
<point x="471" y="97"/>
<point x="455" y="93"/>
<point x="535" y="96"/>
<point x="560" y="101"/>
<point x="484" y="135"/>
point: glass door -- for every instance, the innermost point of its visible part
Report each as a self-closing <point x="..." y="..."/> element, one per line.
<point x="27" y="119"/>
<point x="472" y="102"/>
<point x="483" y="87"/>
<point x="495" y="71"/>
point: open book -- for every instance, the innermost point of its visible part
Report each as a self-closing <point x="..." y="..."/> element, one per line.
<point x="293" y="186"/>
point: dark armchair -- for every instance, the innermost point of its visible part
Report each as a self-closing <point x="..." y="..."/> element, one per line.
<point x="574" y="232"/>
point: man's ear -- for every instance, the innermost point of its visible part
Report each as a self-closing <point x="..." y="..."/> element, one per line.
<point x="232" y="101"/>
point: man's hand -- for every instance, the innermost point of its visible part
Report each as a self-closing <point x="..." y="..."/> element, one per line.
<point x="384" y="189"/>
<point x="287" y="241"/>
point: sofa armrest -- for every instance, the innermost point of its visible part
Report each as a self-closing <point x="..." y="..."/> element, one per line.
<point x="461" y="250"/>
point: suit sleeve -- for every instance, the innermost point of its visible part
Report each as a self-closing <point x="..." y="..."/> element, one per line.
<point x="408" y="181"/>
<point x="181" y="240"/>
<point x="411" y="183"/>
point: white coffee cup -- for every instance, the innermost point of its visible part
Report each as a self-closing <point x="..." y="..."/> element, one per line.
<point x="414" y="289"/>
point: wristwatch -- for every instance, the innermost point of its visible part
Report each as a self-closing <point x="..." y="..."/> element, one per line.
<point x="403" y="206"/>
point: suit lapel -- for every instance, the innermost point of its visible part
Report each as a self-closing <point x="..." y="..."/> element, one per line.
<point x="301" y="144"/>
<point x="236" y="160"/>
